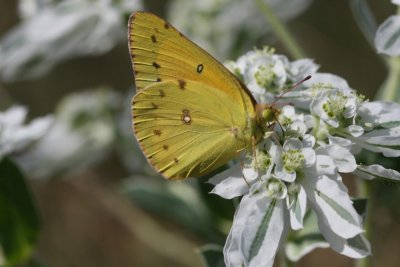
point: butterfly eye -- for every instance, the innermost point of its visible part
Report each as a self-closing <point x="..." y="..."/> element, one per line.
<point x="268" y="115"/>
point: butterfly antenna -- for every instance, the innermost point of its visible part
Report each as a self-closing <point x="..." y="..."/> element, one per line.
<point x="291" y="89"/>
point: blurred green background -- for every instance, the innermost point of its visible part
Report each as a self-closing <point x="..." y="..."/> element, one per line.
<point x="99" y="202"/>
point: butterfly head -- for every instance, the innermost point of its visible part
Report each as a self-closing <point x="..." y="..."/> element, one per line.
<point x="265" y="118"/>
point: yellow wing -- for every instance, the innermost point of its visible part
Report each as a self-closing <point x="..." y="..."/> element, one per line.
<point x="187" y="128"/>
<point x="159" y="53"/>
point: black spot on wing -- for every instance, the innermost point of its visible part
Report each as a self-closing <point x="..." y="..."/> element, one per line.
<point x="155" y="65"/>
<point x="200" y="68"/>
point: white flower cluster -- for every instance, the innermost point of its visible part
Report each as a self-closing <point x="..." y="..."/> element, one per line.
<point x="297" y="170"/>
<point x="14" y="135"/>
<point x="53" y="31"/>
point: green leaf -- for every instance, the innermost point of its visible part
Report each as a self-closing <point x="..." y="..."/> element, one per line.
<point x="360" y="204"/>
<point x="19" y="222"/>
<point x="212" y="256"/>
<point x="177" y="202"/>
<point x="305" y="240"/>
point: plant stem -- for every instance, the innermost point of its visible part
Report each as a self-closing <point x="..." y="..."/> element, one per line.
<point x="364" y="190"/>
<point x="391" y="86"/>
<point x="288" y="263"/>
<point x="281" y="31"/>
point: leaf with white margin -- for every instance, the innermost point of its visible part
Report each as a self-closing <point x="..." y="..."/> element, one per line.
<point x="382" y="113"/>
<point x="302" y="242"/>
<point x="343" y="158"/>
<point x="387" y="37"/>
<point x="256" y="232"/>
<point x="330" y="200"/>
<point x="377" y="171"/>
<point x="386" y="141"/>
<point x="231" y="182"/>
<point x="297" y="209"/>
<point x="355" y="247"/>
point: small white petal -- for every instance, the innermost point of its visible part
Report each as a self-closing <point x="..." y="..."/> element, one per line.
<point x="343" y="142"/>
<point x="292" y="143"/>
<point x="387" y="39"/>
<point x="329" y="200"/>
<point x="230" y="183"/>
<point x="282" y="174"/>
<point x="355" y="130"/>
<point x="344" y="160"/>
<point x="288" y="111"/>
<point x="308" y="140"/>
<point x="325" y="164"/>
<point x="309" y="156"/>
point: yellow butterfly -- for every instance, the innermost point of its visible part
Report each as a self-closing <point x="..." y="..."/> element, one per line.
<point x="190" y="114"/>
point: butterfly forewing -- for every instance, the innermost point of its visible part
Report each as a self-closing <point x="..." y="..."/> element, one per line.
<point x="159" y="52"/>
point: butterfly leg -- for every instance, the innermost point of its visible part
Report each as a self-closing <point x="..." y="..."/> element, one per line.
<point x="244" y="178"/>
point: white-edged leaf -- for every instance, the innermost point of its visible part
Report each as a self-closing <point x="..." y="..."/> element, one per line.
<point x="329" y="198"/>
<point x="377" y="171"/>
<point x="297" y="209"/>
<point x="387" y="38"/>
<point x="380" y="113"/>
<point x="256" y="232"/>
<point x="354" y="247"/>
<point x="385" y="141"/>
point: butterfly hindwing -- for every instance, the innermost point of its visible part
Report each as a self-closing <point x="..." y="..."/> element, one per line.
<point x="186" y="128"/>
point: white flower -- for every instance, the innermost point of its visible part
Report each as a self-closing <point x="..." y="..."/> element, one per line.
<point x="82" y="133"/>
<point x="14" y="136"/>
<point x="335" y="107"/>
<point x="396" y="2"/>
<point x="381" y="121"/>
<point x="62" y="30"/>
<point x="268" y="75"/>
<point x="297" y="171"/>
<point x="273" y="204"/>
<point x="292" y="158"/>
